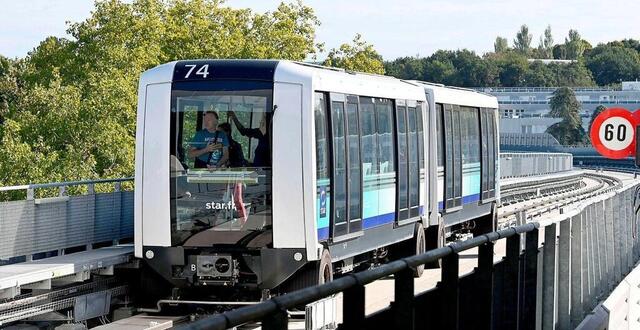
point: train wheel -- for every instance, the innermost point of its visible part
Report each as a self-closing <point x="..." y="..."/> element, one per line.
<point x="325" y="268"/>
<point x="434" y="240"/>
<point x="414" y="246"/>
<point x="420" y="246"/>
<point x="314" y="273"/>
<point x="487" y="223"/>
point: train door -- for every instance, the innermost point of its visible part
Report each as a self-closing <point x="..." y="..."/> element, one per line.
<point x="346" y="170"/>
<point x="489" y="154"/>
<point x="453" y="158"/>
<point x="410" y="160"/>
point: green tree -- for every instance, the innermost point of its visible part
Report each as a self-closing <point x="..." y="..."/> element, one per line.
<point x="540" y="74"/>
<point x="73" y="113"/>
<point x="572" y="74"/>
<point x="559" y="52"/>
<point x="565" y="105"/>
<point x="501" y="45"/>
<point x="460" y="68"/>
<point x="439" y="67"/>
<point x="522" y="42"/>
<point x="512" y="68"/>
<point x="547" y="43"/>
<point x="567" y="134"/>
<point x="574" y="45"/>
<point x="406" y="67"/>
<point x="612" y="64"/>
<point x="600" y="109"/>
<point x="359" y="56"/>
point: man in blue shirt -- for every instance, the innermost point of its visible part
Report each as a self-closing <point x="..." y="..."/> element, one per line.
<point x="209" y="147"/>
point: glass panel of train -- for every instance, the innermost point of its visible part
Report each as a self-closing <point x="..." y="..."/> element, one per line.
<point x="214" y="191"/>
<point x="363" y="148"/>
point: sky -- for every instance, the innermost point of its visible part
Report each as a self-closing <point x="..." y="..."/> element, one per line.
<point x="395" y="28"/>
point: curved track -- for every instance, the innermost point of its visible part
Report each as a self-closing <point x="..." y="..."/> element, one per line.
<point x="566" y="191"/>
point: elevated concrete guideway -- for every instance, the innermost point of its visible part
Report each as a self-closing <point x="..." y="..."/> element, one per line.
<point x="39" y="274"/>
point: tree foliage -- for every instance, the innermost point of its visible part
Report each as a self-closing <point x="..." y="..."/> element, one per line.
<point x="359" y="56"/>
<point x="547" y="43"/>
<point x="564" y="105"/>
<point x="72" y="103"/>
<point x="612" y="64"/>
<point x="574" y="45"/>
<point x="599" y="109"/>
<point x="522" y="42"/>
<point x="501" y="45"/>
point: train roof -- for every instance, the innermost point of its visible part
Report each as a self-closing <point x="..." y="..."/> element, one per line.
<point x="458" y="95"/>
<point x="324" y="78"/>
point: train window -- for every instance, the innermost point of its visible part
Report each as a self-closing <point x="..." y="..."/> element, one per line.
<point x="191" y="112"/>
<point x="449" y="159"/>
<point x="421" y="151"/>
<point x="322" y="157"/>
<point x="492" y="152"/>
<point x="339" y="169"/>
<point x="457" y="157"/>
<point x="474" y="136"/>
<point x="355" y="174"/>
<point x="440" y="134"/>
<point x="402" y="175"/>
<point x="198" y="169"/>
<point x="369" y="137"/>
<point x="489" y="152"/>
<point x="464" y="137"/>
<point x="323" y="178"/>
<point x="420" y="130"/>
<point x="386" y="138"/>
<point x="414" y="170"/>
<point x="483" y="154"/>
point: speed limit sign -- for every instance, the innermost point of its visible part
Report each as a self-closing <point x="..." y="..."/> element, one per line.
<point x="613" y="133"/>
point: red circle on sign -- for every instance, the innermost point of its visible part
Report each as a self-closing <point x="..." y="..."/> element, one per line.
<point x="636" y="114"/>
<point x="595" y="133"/>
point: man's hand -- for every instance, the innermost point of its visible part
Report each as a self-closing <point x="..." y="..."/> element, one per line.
<point x="231" y="114"/>
<point x="213" y="146"/>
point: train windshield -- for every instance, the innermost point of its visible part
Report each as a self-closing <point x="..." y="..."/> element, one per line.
<point x="220" y="163"/>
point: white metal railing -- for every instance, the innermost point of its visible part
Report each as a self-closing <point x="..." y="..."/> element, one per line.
<point x="516" y="165"/>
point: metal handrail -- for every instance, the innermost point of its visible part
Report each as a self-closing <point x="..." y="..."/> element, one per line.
<point x="302" y="297"/>
<point x="64" y="184"/>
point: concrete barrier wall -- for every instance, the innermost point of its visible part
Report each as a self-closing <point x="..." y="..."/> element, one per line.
<point x="597" y="248"/>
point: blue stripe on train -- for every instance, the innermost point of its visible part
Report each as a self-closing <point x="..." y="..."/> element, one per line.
<point x="378" y="220"/>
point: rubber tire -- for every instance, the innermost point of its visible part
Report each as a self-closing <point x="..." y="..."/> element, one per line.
<point x="434" y="240"/>
<point x="486" y="224"/>
<point x="420" y="247"/>
<point x="325" y="268"/>
<point x="312" y="274"/>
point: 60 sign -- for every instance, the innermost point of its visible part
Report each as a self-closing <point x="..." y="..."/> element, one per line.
<point x="613" y="133"/>
<point x="608" y="132"/>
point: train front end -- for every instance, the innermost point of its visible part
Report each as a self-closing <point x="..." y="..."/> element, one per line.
<point x="205" y="173"/>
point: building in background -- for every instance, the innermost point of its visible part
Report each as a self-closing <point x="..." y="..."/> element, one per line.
<point x="526" y="109"/>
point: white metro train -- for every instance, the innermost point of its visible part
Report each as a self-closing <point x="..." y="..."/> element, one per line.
<point x="275" y="175"/>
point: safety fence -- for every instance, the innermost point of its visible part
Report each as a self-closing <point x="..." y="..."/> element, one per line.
<point x="39" y="227"/>
<point x="527" y="139"/>
<point x="552" y="281"/>
<point x="516" y="165"/>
